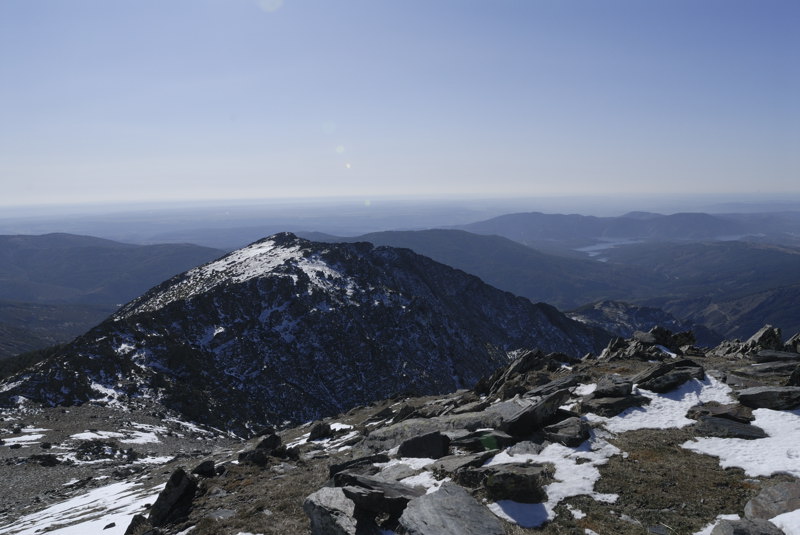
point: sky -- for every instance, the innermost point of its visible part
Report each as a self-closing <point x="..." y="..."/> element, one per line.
<point x="176" y="100"/>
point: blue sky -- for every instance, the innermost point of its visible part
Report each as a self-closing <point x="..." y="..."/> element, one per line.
<point x="123" y="100"/>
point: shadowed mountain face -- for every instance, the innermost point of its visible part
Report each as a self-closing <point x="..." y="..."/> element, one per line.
<point x="287" y="329"/>
<point x="65" y="268"/>
<point x="56" y="286"/>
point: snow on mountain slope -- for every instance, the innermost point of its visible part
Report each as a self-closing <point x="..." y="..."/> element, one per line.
<point x="289" y="330"/>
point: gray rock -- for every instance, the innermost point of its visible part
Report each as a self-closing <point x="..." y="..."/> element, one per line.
<point x="319" y="431"/>
<point x="174" y="502"/>
<point x="520" y="483"/>
<point x="731" y="411"/>
<point x="430" y="445"/>
<point x="768" y="337"/>
<point x="391" y="491"/>
<point x="609" y="407"/>
<point x="205" y="469"/>
<point x="554" y="386"/>
<point x="767" y="369"/>
<point x="570" y="432"/>
<point x="774" y="501"/>
<point x="452" y="463"/>
<point x="269" y="443"/>
<point x="613" y="386"/>
<point x="331" y="512"/>
<point x="362" y="465"/>
<point x="672" y="379"/>
<point x="536" y="415"/>
<point x="794" y="378"/>
<point x="449" y="511"/>
<point x="745" y="527"/>
<point x="771" y="397"/>
<point x="662" y="368"/>
<point x="526" y="447"/>
<point x="483" y="441"/>
<point x="771" y="355"/>
<point x="710" y="426"/>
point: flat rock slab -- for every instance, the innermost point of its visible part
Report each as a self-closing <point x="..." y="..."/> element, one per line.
<point x="774" y="501"/>
<point x="451" y="510"/>
<point x="609" y="407"/>
<point x="731" y="411"/>
<point x="769" y="355"/>
<point x="710" y="426"/>
<point x="779" y="398"/>
<point x="746" y="527"/>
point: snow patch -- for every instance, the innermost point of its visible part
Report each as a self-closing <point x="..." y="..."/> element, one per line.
<point x="667" y="411"/>
<point x="576" y="473"/>
<point x="778" y="453"/>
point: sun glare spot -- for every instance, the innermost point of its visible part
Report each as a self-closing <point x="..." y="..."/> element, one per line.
<point x="270" y="6"/>
<point x="347" y="166"/>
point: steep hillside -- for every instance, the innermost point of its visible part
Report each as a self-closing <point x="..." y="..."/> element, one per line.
<point x="66" y="268"/>
<point x="287" y="329"/>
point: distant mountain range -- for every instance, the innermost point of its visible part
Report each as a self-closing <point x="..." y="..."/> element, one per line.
<point x="54" y="287"/>
<point x="287" y="329"/>
<point x="563" y="232"/>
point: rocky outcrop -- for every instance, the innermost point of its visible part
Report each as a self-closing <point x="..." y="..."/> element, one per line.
<point x="449" y="511"/>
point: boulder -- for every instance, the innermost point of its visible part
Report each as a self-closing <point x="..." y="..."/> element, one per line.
<point x="672" y="379"/>
<point x="393" y="495"/>
<point x="662" y="368"/>
<point x="767" y="337"/>
<point x="430" y="445"/>
<point x="571" y="432"/>
<point x="520" y="483"/>
<point x="745" y="527"/>
<point x="331" y="512"/>
<point x="526" y="447"/>
<point x="731" y="411"/>
<point x="205" y="469"/>
<point x="710" y="426"/>
<point x="771" y="397"/>
<point x="269" y="443"/>
<point x="449" y="511"/>
<point x="536" y="415"/>
<point x="773" y="501"/>
<point x="613" y="386"/>
<point x="447" y="466"/>
<point x="175" y="501"/>
<point x="256" y="457"/>
<point x="474" y="477"/>
<point x="319" y="431"/>
<point x="609" y="407"/>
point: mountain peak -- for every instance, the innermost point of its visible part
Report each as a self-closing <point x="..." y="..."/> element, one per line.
<point x="288" y="329"/>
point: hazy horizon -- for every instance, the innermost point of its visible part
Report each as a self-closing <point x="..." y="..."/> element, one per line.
<point x="206" y="100"/>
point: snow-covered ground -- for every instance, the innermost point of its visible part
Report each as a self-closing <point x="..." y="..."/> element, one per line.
<point x="107" y="510"/>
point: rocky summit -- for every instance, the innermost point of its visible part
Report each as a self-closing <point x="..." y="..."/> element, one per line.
<point x="653" y="435"/>
<point x="288" y="330"/>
